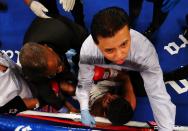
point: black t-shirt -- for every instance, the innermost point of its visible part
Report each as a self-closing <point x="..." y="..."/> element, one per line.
<point x="14" y="106"/>
<point x="60" y="33"/>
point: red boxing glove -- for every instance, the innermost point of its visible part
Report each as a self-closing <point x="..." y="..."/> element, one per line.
<point x="55" y="87"/>
<point x="104" y="73"/>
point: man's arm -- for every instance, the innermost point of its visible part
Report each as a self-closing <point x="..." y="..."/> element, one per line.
<point x="13" y="106"/>
<point x="163" y="109"/>
<point x="45" y="95"/>
<point x="85" y="81"/>
<point x="129" y="94"/>
<point x="88" y="55"/>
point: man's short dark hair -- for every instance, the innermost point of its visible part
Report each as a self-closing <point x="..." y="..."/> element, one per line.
<point x="33" y="60"/>
<point x="119" y="111"/>
<point x="107" y="22"/>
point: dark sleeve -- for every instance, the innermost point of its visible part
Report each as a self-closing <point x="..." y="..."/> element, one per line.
<point x="12" y="106"/>
<point x="46" y="95"/>
<point x="79" y="36"/>
<point x="178" y="74"/>
<point x="79" y="33"/>
<point x="52" y="32"/>
<point x="51" y="5"/>
<point x="138" y="83"/>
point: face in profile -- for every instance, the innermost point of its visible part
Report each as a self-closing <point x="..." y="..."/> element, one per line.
<point x="55" y="65"/>
<point x="116" y="48"/>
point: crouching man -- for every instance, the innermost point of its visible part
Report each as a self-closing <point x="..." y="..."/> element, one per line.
<point x="113" y="98"/>
<point x="15" y="95"/>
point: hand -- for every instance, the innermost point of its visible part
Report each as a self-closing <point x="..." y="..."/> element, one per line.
<point x="31" y="102"/>
<point x="38" y="9"/>
<point x="67" y="5"/>
<point x="87" y="119"/>
<point x="74" y="110"/>
<point x="168" y="5"/>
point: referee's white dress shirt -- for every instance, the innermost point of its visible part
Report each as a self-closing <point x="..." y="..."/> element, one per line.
<point x="142" y="57"/>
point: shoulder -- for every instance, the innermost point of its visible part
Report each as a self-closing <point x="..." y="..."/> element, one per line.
<point x="89" y="52"/>
<point x="89" y="47"/>
<point x="139" y="40"/>
<point x="52" y="26"/>
<point x="142" y="50"/>
<point x="140" y="44"/>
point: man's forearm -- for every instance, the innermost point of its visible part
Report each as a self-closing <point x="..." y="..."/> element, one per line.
<point x="83" y="98"/>
<point x="85" y="81"/>
<point x="31" y="103"/>
<point x="163" y="109"/>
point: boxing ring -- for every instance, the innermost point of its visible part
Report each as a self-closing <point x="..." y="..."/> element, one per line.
<point x="170" y="44"/>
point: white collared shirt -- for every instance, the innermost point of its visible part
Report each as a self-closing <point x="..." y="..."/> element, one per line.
<point x="142" y="57"/>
